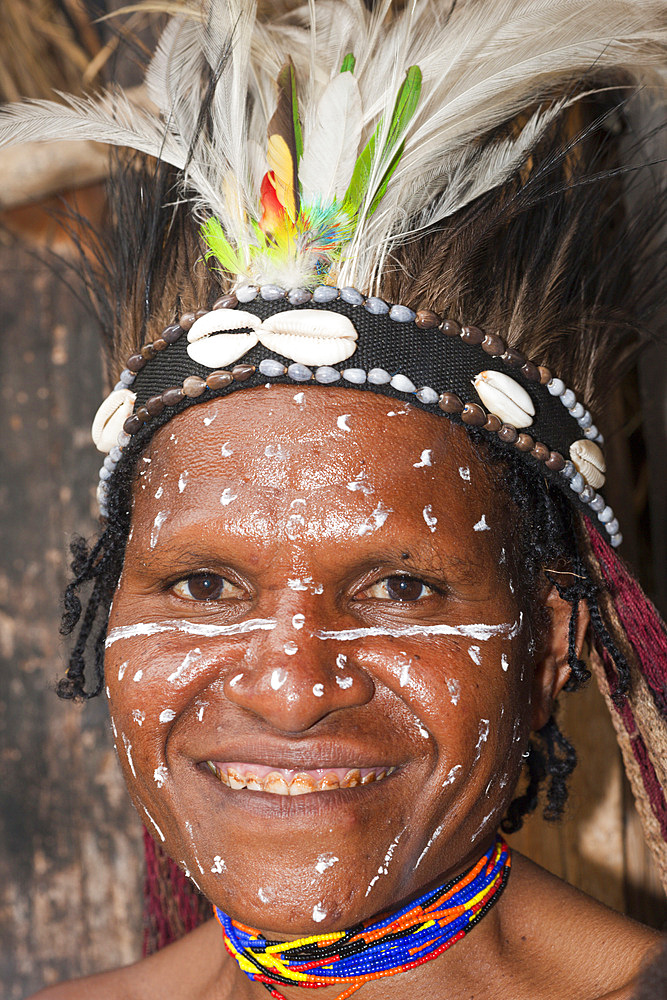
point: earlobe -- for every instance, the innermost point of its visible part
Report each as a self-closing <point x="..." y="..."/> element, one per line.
<point x="552" y="668"/>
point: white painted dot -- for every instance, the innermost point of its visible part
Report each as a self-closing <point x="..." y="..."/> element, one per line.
<point x="344" y="682"/>
<point x="481" y="524"/>
<point x="298" y="621"/>
<point x="139" y="674"/>
<point x="138" y="716"/>
<point x="228" y="497"/>
<point x="464" y="473"/>
<point x="318" y="690"/>
<point x="319" y="913"/>
<point x="290" y="648"/>
<point x="226" y="451"/>
<point x="278" y="678"/>
<point x="160" y="775"/>
<point x="424" y="461"/>
<point x="219" y="865"/>
<point x="167" y="715"/>
<point x="341" y="661"/>
<point x="342" y="421"/>
<point x="429" y="517"/>
<point x="234" y="681"/>
<point x="475" y="654"/>
<point x="504" y="663"/>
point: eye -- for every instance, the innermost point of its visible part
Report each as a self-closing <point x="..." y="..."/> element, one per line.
<point x="206" y="587"/>
<point x="399" y="588"/>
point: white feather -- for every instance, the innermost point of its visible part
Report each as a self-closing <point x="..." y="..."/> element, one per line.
<point x="331" y="149"/>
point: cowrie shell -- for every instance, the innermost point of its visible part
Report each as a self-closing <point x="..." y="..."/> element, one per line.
<point x="589" y="461"/>
<point x="310" y="336"/>
<point x="110" y="417"/>
<point x="221" y="349"/>
<point x="505" y="397"/>
<point x="222" y="321"/>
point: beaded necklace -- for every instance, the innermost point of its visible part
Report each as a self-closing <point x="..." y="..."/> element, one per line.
<point x="396" y="942"/>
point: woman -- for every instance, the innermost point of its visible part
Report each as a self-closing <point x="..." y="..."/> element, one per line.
<point x="354" y="545"/>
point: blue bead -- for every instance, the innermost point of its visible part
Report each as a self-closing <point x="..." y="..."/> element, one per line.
<point x="270" y="293"/>
<point x="577" y="482"/>
<point x="299" y="373"/>
<point x="427" y="395"/>
<point x="568" y="470"/>
<point x="299" y="296"/>
<point x="378" y="376"/>
<point x="355" y="375"/>
<point x="401" y="314"/>
<point x="597" y="503"/>
<point x="612" y="526"/>
<point x="378" y="307"/>
<point x="605" y="514"/>
<point x="326" y="375"/>
<point x="271" y="367"/>
<point x="352" y="296"/>
<point x="325" y="293"/>
<point x="616" y="540"/>
<point x="127" y="377"/>
<point x="556" y="387"/>
<point x="247" y="293"/>
<point x="585" y="421"/>
<point x="568" y="398"/>
<point x="402" y="383"/>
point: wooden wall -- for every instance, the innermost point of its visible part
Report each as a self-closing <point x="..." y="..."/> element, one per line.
<point x="70" y="843"/>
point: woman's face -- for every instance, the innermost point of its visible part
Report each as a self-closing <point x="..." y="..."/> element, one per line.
<point x="317" y="592"/>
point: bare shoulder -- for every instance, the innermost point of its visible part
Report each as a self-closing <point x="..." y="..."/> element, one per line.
<point x="182" y="971"/>
<point x="581" y="947"/>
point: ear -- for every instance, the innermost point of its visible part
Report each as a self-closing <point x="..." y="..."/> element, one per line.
<point x="552" y="668"/>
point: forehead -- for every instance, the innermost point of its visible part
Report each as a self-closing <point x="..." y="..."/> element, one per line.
<point x="346" y="450"/>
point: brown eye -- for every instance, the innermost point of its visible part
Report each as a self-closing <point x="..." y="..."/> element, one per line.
<point x="206" y="587"/>
<point x="399" y="588"/>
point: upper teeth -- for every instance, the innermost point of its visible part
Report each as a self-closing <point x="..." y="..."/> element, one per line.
<point x="300" y="783"/>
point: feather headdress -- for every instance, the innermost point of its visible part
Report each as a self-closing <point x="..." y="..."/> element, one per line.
<point x="311" y="144"/>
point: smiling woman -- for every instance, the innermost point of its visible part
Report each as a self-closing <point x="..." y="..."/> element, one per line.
<point x="353" y="545"/>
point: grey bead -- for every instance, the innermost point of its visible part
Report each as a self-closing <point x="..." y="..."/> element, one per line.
<point x="569" y="470"/>
<point x="299" y="373"/>
<point x="352" y="296"/>
<point x="577" y="482"/>
<point x="325" y="293"/>
<point x="270" y="293"/>
<point x="326" y="375"/>
<point x="355" y="375"/>
<point x="605" y="514"/>
<point x="269" y="366"/>
<point x="577" y="411"/>
<point x="247" y="293"/>
<point x="568" y="398"/>
<point x="110" y="464"/>
<point x="591" y="432"/>
<point x="299" y="296"/>
<point x="616" y="540"/>
<point x="401" y="314"/>
<point x="427" y="395"/>
<point x="105" y="474"/>
<point x="378" y="307"/>
<point x="612" y="526"/>
<point x="123" y="439"/>
<point x="597" y="503"/>
<point x="585" y="421"/>
<point x="378" y="376"/>
<point x="402" y="383"/>
<point x="587" y="494"/>
<point x="556" y="387"/>
<point x="119" y="385"/>
<point x="599" y="439"/>
<point x="127" y="377"/>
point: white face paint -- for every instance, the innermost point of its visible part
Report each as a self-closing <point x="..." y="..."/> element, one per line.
<point x="342" y="422"/>
<point x="139" y="674"/>
<point x="157" y="828"/>
<point x="384" y="867"/>
<point x="434" y="836"/>
<point x="290" y="649"/>
<point x="121" y="670"/>
<point x="504" y="662"/>
<point x="160" y="518"/>
<point x="128" y="754"/>
<point x="483" y="735"/>
<point x="262" y="895"/>
<point x="167" y="715"/>
<point x="451" y="774"/>
<point x="234" y="681"/>
<point x="300" y="398"/>
<point x="404" y="676"/>
<point x="481" y="524"/>
<point x="160" y="775"/>
<point x="424" y="460"/>
<point x="319" y="913"/>
<point x="278" y="678"/>
<point x="209" y="420"/>
<point x="183" y="481"/>
<point x="341" y="661"/>
<point x="177" y="676"/>
<point x="228" y="497"/>
<point x="188" y="628"/>
<point x="298" y="621"/>
<point x="325" y="861"/>
<point x="475" y="654"/>
<point x="159" y="492"/>
<point x="318" y="690"/>
<point x="219" y="865"/>
<point x="464" y="473"/>
<point x="360" y="484"/>
<point x="344" y="682"/>
<point x="307" y="584"/>
<point x="429" y="517"/>
<point x="479" y="631"/>
<point x="226" y="451"/>
<point x="138" y="716"/>
<point x="454" y="688"/>
<point x="374" y="520"/>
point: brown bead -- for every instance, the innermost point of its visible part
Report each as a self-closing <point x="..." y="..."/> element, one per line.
<point x="508" y="434"/>
<point x="186" y="320"/>
<point x="524" y="442"/>
<point x="219" y="380"/>
<point x="143" y="414"/>
<point x="514" y="358"/>
<point x="473" y="414"/>
<point x="159" y="344"/>
<point x="173" y="332"/>
<point x="193" y="386"/>
<point x="449" y="402"/>
<point x="540" y="452"/>
<point x="154" y="406"/>
<point x="493" y="344"/>
<point x="451" y="328"/>
<point x="555" y="462"/>
<point x="148" y="352"/>
<point x="427" y="320"/>
<point x="493" y="423"/>
<point x="243" y="372"/>
<point x="545" y="375"/>
<point x="225" y="302"/>
<point x="201" y="312"/>
<point x="133" y="424"/>
<point x="135" y="363"/>
<point x="170" y="397"/>
<point x="531" y="372"/>
<point x="472" y="335"/>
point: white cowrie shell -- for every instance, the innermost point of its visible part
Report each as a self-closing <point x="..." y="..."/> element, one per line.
<point x="221" y="349"/>
<point x="589" y="461"/>
<point x="505" y="397"/>
<point x="222" y="321"/>
<point x="110" y="417"/>
<point x="310" y="336"/>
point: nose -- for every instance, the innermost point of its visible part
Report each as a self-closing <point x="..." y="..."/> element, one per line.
<point x="292" y="680"/>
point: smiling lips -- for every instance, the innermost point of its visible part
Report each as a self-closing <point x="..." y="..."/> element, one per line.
<point x="283" y="781"/>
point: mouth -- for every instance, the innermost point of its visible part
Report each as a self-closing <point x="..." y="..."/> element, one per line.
<point x="284" y="781"/>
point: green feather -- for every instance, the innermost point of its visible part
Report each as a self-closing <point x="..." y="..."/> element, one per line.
<point x="219" y="246"/>
<point x="349" y="63"/>
<point x="404" y="109"/>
